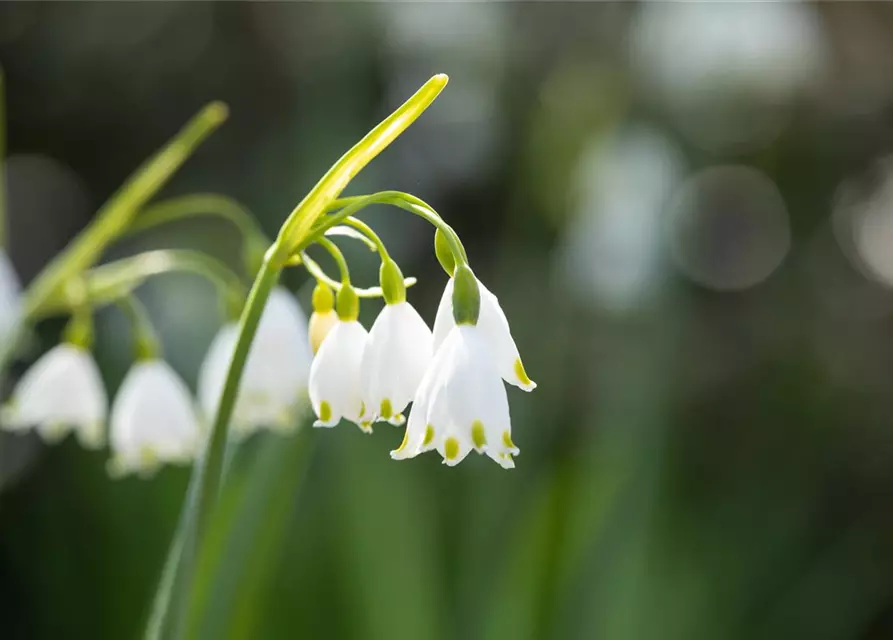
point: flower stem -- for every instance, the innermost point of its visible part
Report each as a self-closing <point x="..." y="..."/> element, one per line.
<point x="114" y="217"/>
<point x="338" y="257"/>
<point x="145" y="339"/>
<point x="210" y="465"/>
<point x="361" y="226"/>
<point x="317" y="272"/>
<point x="107" y="283"/>
<point x="195" y="205"/>
<point x="399" y="199"/>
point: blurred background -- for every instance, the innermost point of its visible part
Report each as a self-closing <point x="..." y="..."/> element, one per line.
<point x="687" y="213"/>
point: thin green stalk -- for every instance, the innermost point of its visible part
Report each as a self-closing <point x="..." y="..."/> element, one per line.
<point x="367" y="231"/>
<point x="211" y="463"/>
<point x="145" y="338"/>
<point x="399" y="199"/>
<point x="350" y="232"/>
<point x="317" y="272"/>
<point x="338" y="257"/>
<point x="114" y="217"/>
<point x="109" y="282"/>
<point x="196" y="204"/>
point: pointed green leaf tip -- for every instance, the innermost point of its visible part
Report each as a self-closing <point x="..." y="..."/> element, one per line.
<point x="466" y="296"/>
<point x="392" y="285"/>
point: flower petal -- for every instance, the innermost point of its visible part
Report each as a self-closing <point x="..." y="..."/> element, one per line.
<point x="62" y="391"/>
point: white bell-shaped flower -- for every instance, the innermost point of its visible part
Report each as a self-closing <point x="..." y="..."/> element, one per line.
<point x="461" y="404"/>
<point x="10" y="300"/>
<point x="335" y="387"/>
<point x="153" y="420"/>
<point x="398" y="352"/>
<point x="273" y="386"/>
<point x="495" y="328"/>
<point x="61" y="392"/>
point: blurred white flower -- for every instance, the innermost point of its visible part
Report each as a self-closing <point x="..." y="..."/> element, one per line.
<point x="494" y="326"/>
<point x="729" y="71"/>
<point x="335" y="387"/>
<point x="10" y="300"/>
<point x="461" y="403"/>
<point x="273" y="386"/>
<point x="153" y="420"/>
<point x="61" y="392"/>
<point x="614" y="246"/>
<point x="398" y="352"/>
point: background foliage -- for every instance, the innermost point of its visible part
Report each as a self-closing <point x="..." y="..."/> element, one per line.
<point x="687" y="214"/>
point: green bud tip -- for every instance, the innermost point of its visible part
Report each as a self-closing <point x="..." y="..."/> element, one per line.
<point x="392" y="282"/>
<point x="347" y="304"/>
<point x="466" y="296"/>
<point x="444" y="253"/>
<point x="323" y="298"/>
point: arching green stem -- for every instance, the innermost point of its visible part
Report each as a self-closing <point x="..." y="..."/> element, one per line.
<point x="145" y="338"/>
<point x="193" y="205"/>
<point x="367" y="231"/>
<point x="109" y="282"/>
<point x="338" y="257"/>
<point x="349" y="232"/>
<point x="399" y="199"/>
<point x="317" y="272"/>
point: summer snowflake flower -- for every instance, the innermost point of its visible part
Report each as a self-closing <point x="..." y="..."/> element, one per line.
<point x="10" y="299"/>
<point x="494" y="327"/>
<point x="461" y="404"/>
<point x="153" y="420"/>
<point x="272" y="389"/>
<point x="335" y="387"/>
<point x="61" y="392"/>
<point x="335" y="390"/>
<point x="398" y="352"/>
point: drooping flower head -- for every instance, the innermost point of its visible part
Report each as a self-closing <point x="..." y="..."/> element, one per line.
<point x="153" y="420"/>
<point x="273" y="384"/>
<point x="461" y="404"/>
<point x="335" y="387"/>
<point x="61" y="392"/>
<point x="494" y="326"/>
<point x="397" y="354"/>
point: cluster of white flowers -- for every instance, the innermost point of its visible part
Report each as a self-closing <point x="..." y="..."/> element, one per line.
<point x="453" y="377"/>
<point x="153" y="419"/>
